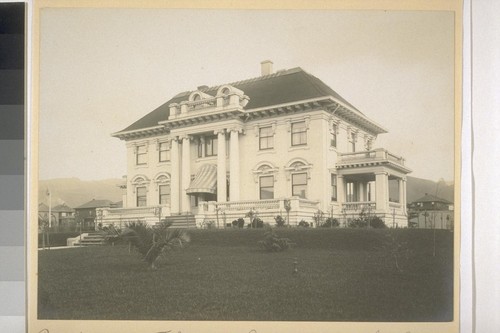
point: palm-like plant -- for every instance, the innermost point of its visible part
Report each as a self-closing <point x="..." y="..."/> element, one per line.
<point x="151" y="242"/>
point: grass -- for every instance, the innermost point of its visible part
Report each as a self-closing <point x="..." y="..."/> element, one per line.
<point x="343" y="275"/>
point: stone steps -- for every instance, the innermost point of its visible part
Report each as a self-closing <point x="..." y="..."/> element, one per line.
<point x="182" y="221"/>
<point x="92" y="239"/>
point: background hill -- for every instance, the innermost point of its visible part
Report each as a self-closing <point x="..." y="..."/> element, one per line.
<point x="75" y="192"/>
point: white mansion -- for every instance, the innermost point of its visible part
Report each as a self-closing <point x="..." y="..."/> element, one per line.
<point x="280" y="141"/>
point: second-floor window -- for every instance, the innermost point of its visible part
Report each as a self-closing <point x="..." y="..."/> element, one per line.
<point x="141" y="157"/>
<point x="211" y="146"/>
<point x="266" y="138"/>
<point x="353" y="142"/>
<point x="299" y="133"/>
<point x="266" y="187"/>
<point x="164" y="152"/>
<point x="333" y="138"/>
<point x="141" y="196"/>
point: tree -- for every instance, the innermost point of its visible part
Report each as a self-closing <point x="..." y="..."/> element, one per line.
<point x="151" y="243"/>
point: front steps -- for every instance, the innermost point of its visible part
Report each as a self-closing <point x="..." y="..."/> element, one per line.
<point x="182" y="221"/>
<point x="92" y="239"/>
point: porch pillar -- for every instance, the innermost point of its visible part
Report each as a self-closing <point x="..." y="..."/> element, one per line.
<point x="174" y="177"/>
<point x="381" y="191"/>
<point x="362" y="191"/>
<point x="340" y="189"/>
<point x="186" y="174"/>
<point x="234" y="165"/>
<point x="221" y="166"/>
<point x="402" y="194"/>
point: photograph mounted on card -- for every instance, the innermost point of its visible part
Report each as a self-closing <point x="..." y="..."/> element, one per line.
<point x="201" y="166"/>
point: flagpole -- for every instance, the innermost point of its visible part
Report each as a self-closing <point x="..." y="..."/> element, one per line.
<point x="50" y="209"/>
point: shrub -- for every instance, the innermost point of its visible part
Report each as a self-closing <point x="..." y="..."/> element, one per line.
<point x="256" y="223"/>
<point x="358" y="223"/>
<point x="273" y="243"/>
<point x="240" y="223"/>
<point x="330" y="223"/>
<point x="303" y="223"/>
<point x="280" y="221"/>
<point x="377" y="222"/>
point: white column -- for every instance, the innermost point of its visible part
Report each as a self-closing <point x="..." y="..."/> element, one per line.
<point x="340" y="189"/>
<point x="221" y="166"/>
<point x="362" y="196"/>
<point x="381" y="191"/>
<point x="234" y="165"/>
<point x="174" y="177"/>
<point x="185" y="174"/>
<point x="402" y="194"/>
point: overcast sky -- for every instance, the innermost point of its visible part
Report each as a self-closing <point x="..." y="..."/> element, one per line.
<point x="103" y="69"/>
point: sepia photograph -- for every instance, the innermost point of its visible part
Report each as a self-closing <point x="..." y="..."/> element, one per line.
<point x="258" y="166"/>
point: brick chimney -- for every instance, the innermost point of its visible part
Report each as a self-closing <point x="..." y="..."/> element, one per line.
<point x="266" y="67"/>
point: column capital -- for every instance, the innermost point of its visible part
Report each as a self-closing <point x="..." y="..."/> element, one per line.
<point x="184" y="137"/>
<point x="238" y="129"/>
<point x="220" y="131"/>
<point x="382" y="173"/>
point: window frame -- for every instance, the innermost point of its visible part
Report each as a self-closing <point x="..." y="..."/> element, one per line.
<point x="269" y="137"/>
<point x="140" y="153"/>
<point x="167" y="195"/>
<point x="333" y="138"/>
<point x="212" y="142"/>
<point x="141" y="198"/>
<point x="266" y="187"/>
<point x="294" y="185"/>
<point x="301" y="134"/>
<point x="333" y="187"/>
<point x="166" y="151"/>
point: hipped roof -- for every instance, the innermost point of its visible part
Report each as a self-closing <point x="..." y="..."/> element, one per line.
<point x="282" y="87"/>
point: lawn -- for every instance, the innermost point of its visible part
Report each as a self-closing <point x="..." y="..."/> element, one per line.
<point x="343" y="275"/>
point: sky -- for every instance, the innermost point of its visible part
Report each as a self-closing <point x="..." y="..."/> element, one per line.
<point x="103" y="69"/>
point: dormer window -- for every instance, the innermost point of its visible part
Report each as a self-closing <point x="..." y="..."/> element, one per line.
<point x="225" y="91"/>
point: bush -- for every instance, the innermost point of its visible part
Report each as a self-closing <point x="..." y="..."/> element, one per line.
<point x="256" y="223"/>
<point x="358" y="223"/>
<point x="377" y="222"/>
<point x="273" y="243"/>
<point x="303" y="223"/>
<point x="280" y="221"/>
<point x="330" y="223"/>
<point x="240" y="223"/>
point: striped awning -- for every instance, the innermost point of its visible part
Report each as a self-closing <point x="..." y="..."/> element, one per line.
<point x="205" y="180"/>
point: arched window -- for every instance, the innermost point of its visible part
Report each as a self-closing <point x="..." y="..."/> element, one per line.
<point x="196" y="97"/>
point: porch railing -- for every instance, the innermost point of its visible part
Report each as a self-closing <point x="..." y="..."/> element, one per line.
<point x="358" y="206"/>
<point x="249" y="204"/>
<point x="378" y="154"/>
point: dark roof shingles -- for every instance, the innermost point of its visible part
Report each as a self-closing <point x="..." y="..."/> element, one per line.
<point x="282" y="87"/>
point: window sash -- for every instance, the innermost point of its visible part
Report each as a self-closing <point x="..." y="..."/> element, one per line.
<point x="266" y="138"/>
<point x="266" y="187"/>
<point x="299" y="185"/>
<point x="141" y="196"/>
<point x="334" y="187"/>
<point x="299" y="133"/>
<point x="211" y="147"/>
<point x="164" y="194"/>
<point x="164" y="152"/>
<point x="141" y="155"/>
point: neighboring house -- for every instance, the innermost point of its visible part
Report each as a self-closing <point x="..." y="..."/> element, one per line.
<point x="88" y="214"/>
<point x="65" y="214"/>
<point x="281" y="140"/>
<point x="61" y="215"/>
<point x="431" y="211"/>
